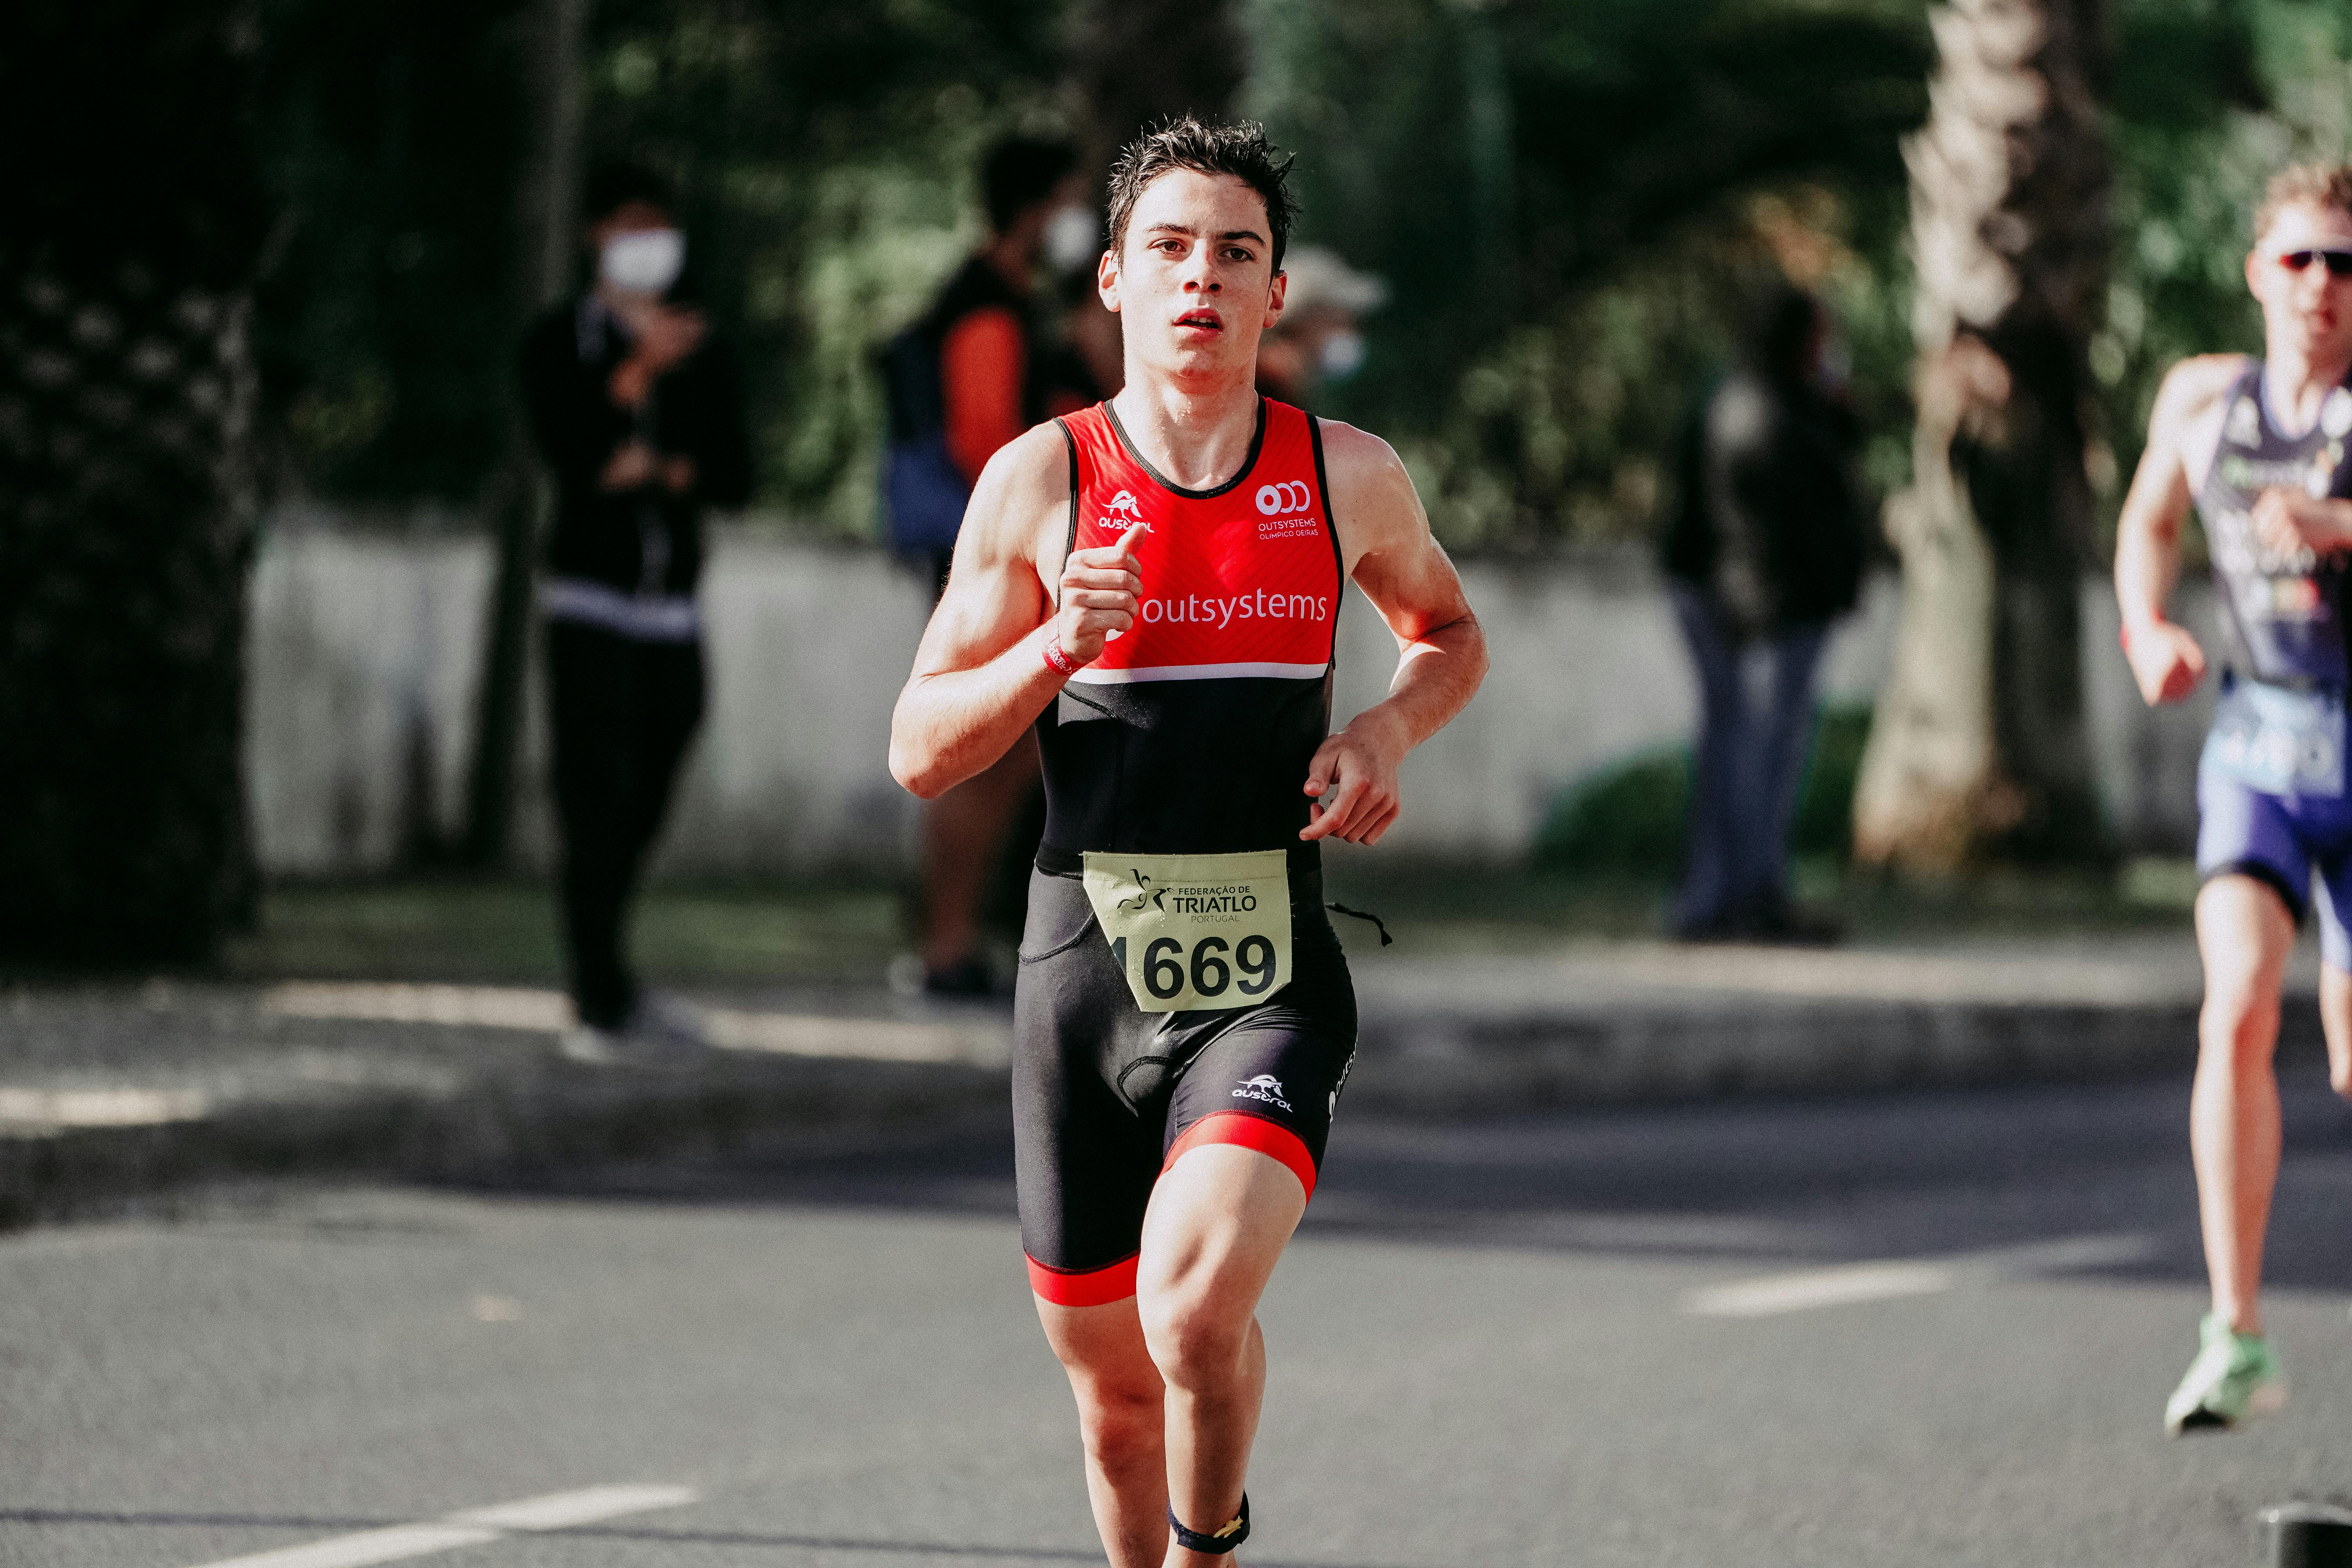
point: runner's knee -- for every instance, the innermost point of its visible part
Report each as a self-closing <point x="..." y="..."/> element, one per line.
<point x="2239" y="1022"/>
<point x="1120" y="1420"/>
<point x="1196" y="1332"/>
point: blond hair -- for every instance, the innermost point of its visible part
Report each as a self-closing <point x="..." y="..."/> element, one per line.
<point x="2304" y="184"/>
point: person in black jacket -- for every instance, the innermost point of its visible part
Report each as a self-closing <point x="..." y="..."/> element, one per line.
<point x="639" y="414"/>
<point x="1766" y="551"/>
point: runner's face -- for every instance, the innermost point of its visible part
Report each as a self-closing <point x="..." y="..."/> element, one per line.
<point x="1194" y="284"/>
<point x="2309" y="310"/>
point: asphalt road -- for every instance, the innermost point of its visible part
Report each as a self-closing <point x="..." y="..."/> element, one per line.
<point x="1898" y="1330"/>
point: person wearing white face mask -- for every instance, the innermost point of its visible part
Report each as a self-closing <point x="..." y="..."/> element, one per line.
<point x="639" y="415"/>
<point x="966" y="379"/>
<point x="1319" y="338"/>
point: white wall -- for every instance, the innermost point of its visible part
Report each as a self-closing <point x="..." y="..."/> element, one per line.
<point x="366" y="651"/>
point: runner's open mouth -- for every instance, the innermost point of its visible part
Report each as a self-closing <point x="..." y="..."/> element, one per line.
<point x="1208" y="320"/>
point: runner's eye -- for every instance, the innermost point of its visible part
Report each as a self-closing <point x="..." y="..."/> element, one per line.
<point x="2339" y="262"/>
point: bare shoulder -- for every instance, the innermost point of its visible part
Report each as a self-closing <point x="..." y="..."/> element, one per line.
<point x="2194" y="386"/>
<point x="1024" y="489"/>
<point x="1358" y="454"/>
<point x="1373" y="504"/>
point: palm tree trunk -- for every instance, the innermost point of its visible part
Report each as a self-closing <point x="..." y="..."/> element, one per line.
<point x="126" y="403"/>
<point x="1979" y="748"/>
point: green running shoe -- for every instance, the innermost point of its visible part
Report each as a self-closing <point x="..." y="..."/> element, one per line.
<point x="2234" y="1376"/>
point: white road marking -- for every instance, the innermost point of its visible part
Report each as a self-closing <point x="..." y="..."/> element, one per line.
<point x="563" y="1511"/>
<point x="1891" y="1278"/>
<point x="559" y="1510"/>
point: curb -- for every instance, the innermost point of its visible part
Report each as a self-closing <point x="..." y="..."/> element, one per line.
<point x="496" y="1107"/>
<point x="492" y="1129"/>
<point x="1431" y="1064"/>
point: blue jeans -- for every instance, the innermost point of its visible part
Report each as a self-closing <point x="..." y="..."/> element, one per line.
<point x="1756" y="727"/>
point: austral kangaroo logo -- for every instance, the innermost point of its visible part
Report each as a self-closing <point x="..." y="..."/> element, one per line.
<point x="1125" y="502"/>
<point x="1264" y="1087"/>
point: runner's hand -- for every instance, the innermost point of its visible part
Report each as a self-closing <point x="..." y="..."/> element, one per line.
<point x="1353" y="779"/>
<point x="2289" y="522"/>
<point x="2165" y="660"/>
<point x="1099" y="596"/>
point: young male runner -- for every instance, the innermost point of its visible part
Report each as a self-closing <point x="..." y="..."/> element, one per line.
<point x="2259" y="446"/>
<point x="1154" y="584"/>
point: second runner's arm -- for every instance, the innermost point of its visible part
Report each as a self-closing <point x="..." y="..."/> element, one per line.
<point x="1441" y="649"/>
<point x="2166" y="661"/>
<point x="982" y="675"/>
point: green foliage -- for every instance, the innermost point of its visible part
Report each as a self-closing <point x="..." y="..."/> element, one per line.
<point x="824" y="156"/>
<point x="389" y="132"/>
<point x="820" y="152"/>
<point x="1574" y="207"/>
<point x="1628" y="820"/>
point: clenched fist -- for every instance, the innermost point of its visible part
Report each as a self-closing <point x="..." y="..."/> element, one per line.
<point x="1098" y="597"/>
<point x="2165" y="660"/>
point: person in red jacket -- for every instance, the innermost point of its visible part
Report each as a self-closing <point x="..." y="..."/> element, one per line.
<point x="995" y="379"/>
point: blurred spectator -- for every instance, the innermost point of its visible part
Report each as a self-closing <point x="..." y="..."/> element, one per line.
<point x="639" y="414"/>
<point x="1765" y="551"/>
<point x="970" y="376"/>
<point x="1318" y="339"/>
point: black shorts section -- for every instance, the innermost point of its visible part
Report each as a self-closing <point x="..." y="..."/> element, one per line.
<point x="1101" y="1090"/>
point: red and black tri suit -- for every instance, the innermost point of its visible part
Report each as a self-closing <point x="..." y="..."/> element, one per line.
<point x="1192" y="733"/>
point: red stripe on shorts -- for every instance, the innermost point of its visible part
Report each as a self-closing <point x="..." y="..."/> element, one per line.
<point x="1083" y="1288"/>
<point x="1248" y="1131"/>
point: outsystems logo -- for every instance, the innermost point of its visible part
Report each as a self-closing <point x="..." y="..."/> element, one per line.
<point x="1291" y="495"/>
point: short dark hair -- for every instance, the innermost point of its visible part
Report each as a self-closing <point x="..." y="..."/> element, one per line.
<point x="614" y="183"/>
<point x="1239" y="148"/>
<point x="1019" y="173"/>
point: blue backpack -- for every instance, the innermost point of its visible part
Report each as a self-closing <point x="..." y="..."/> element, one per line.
<point x="923" y="491"/>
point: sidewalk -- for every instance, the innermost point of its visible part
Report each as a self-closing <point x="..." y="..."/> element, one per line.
<point x="107" y="1091"/>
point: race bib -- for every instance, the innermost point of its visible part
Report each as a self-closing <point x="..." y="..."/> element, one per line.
<point x="1195" y="932"/>
<point x="2278" y="740"/>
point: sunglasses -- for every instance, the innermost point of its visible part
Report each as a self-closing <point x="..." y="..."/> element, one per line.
<point x="2339" y="262"/>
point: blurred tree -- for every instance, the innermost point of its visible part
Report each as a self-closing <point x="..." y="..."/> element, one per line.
<point x="135" y="226"/>
<point x="1565" y="200"/>
<point x="1980" y="745"/>
<point x="1136" y="63"/>
<point x="390" y="133"/>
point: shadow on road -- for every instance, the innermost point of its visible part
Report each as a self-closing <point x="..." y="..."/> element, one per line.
<point x="1795" y="1181"/>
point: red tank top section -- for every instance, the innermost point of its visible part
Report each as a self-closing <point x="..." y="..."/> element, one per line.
<point x="1242" y="582"/>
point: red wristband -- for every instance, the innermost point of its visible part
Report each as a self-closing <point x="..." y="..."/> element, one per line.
<point x="1055" y="658"/>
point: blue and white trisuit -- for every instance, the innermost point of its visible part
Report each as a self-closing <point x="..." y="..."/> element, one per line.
<point x="2271" y="796"/>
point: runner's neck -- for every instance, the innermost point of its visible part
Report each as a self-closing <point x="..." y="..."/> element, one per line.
<point x="1199" y="440"/>
<point x="2293" y="388"/>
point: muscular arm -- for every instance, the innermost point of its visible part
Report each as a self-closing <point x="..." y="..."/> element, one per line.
<point x="1440" y="651"/>
<point x="980" y="676"/>
<point x="2166" y="660"/>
